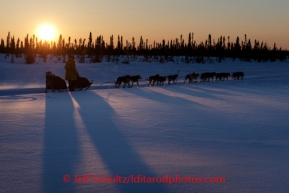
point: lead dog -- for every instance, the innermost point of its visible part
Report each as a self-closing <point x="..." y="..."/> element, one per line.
<point x="236" y="75"/>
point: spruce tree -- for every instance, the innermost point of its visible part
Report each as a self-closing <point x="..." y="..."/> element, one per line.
<point x="8" y="41"/>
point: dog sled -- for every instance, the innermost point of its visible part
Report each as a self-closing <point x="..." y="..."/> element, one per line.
<point x="82" y="83"/>
<point x="56" y="83"/>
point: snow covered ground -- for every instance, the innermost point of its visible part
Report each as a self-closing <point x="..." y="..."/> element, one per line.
<point x="238" y="130"/>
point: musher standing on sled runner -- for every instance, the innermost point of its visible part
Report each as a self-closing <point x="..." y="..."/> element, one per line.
<point x="71" y="72"/>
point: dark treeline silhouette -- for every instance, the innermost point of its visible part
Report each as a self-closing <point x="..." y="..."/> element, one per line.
<point x="163" y="51"/>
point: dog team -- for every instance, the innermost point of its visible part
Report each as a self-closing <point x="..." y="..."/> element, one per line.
<point x="191" y="77"/>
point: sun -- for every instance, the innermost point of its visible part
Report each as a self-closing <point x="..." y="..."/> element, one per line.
<point x="46" y="32"/>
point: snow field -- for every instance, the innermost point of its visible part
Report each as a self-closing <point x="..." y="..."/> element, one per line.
<point x="235" y="129"/>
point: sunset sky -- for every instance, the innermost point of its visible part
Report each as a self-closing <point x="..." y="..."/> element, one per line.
<point x="264" y="20"/>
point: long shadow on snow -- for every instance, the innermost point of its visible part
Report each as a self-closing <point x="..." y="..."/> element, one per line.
<point x="61" y="146"/>
<point x="197" y="92"/>
<point x="154" y="95"/>
<point x="261" y="90"/>
<point x="215" y="123"/>
<point x="219" y="89"/>
<point x="116" y="153"/>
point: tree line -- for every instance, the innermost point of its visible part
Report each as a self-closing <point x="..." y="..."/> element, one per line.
<point x="221" y="48"/>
